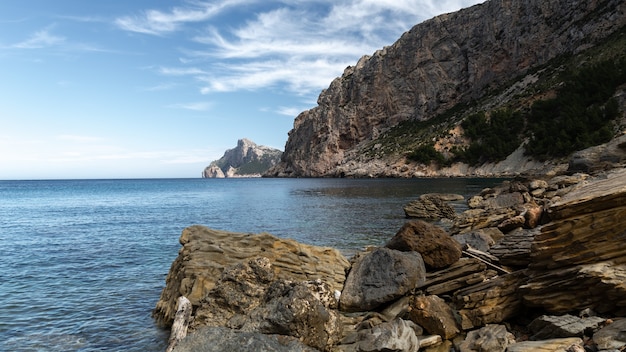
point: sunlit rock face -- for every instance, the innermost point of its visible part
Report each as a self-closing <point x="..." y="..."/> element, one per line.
<point x="450" y="59"/>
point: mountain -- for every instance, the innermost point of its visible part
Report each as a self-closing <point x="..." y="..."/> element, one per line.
<point x="245" y="160"/>
<point x="482" y="91"/>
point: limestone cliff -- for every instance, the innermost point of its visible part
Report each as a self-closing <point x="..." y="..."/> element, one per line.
<point x="246" y="160"/>
<point x="453" y="60"/>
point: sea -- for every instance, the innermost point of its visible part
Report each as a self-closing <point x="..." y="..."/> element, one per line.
<point x="83" y="262"/>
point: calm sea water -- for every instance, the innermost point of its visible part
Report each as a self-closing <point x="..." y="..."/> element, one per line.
<point x="83" y="262"/>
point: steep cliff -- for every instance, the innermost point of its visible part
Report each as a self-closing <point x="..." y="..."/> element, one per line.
<point x="246" y="160"/>
<point x="453" y="61"/>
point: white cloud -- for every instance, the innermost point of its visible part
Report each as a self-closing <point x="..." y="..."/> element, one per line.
<point x="197" y="106"/>
<point x="156" y="22"/>
<point x="79" y="138"/>
<point x="40" y="39"/>
<point x="298" y="46"/>
<point x="291" y="111"/>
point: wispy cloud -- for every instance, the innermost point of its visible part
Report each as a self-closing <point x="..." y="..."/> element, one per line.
<point x="40" y="39"/>
<point x="197" y="106"/>
<point x="299" y="46"/>
<point x="157" y="22"/>
<point x="79" y="138"/>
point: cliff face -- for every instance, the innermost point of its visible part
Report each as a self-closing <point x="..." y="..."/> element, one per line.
<point x="450" y="59"/>
<point x="246" y="160"/>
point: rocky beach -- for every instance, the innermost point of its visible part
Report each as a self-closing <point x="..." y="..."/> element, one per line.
<point x="535" y="264"/>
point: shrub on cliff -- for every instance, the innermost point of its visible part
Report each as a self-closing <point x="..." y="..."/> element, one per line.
<point x="425" y="154"/>
<point x="581" y="114"/>
<point x="493" y="138"/>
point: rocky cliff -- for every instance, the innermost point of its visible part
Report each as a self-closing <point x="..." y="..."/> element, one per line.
<point x="480" y="57"/>
<point x="246" y="160"/>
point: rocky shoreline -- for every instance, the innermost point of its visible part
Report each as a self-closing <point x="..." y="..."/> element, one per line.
<point x="535" y="264"/>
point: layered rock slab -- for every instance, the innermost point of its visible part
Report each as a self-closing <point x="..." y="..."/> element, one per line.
<point x="578" y="260"/>
<point x="206" y="252"/>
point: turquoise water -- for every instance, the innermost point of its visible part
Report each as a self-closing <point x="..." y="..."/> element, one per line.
<point x="84" y="261"/>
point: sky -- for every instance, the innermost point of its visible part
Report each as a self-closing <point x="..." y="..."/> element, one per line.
<point x="160" y="88"/>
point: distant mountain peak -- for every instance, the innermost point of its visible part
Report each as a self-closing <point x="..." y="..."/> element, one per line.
<point x="247" y="159"/>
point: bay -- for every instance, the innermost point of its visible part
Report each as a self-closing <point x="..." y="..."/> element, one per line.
<point x="84" y="261"/>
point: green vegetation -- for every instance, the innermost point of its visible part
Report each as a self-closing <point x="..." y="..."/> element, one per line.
<point x="580" y="115"/>
<point x="426" y="154"/>
<point x="493" y="138"/>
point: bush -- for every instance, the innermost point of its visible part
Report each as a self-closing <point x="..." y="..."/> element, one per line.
<point x="492" y="139"/>
<point x="580" y="116"/>
<point x="425" y="154"/>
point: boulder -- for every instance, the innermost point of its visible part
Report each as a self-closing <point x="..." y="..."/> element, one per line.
<point x="246" y="298"/>
<point x="295" y="309"/>
<point x="602" y="157"/>
<point x="553" y="345"/>
<point x="396" y="335"/>
<point x="206" y="252"/>
<point x="379" y="277"/>
<point x="220" y="339"/>
<point x="434" y="315"/>
<point x="432" y="206"/>
<point x="612" y="337"/>
<point x="512" y="223"/>
<point x="532" y="214"/>
<point x="437" y="248"/>
<point x="504" y="200"/>
<point x="240" y="289"/>
<point x="475" y="239"/>
<point x="490" y="338"/>
<point x="551" y="326"/>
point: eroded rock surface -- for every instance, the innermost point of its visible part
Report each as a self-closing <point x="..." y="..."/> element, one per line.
<point x="206" y="252"/>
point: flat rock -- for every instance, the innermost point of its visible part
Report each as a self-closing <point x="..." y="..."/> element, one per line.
<point x="551" y="326"/>
<point x="435" y="245"/>
<point x="490" y="338"/>
<point x="476" y="239"/>
<point x="379" y="277"/>
<point x="206" y="252"/>
<point x="514" y="249"/>
<point x="432" y="206"/>
<point x="463" y="273"/>
<point x="553" y="345"/>
<point x="220" y="339"/>
<point x="612" y="337"/>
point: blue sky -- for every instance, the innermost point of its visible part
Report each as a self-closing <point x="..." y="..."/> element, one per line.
<point x="147" y="88"/>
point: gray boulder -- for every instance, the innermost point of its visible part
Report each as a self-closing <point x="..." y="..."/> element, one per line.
<point x="395" y="336"/>
<point x="552" y="326"/>
<point x="298" y="310"/>
<point x="379" y="277"/>
<point x="435" y="316"/>
<point x="491" y="338"/>
<point x="612" y="337"/>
